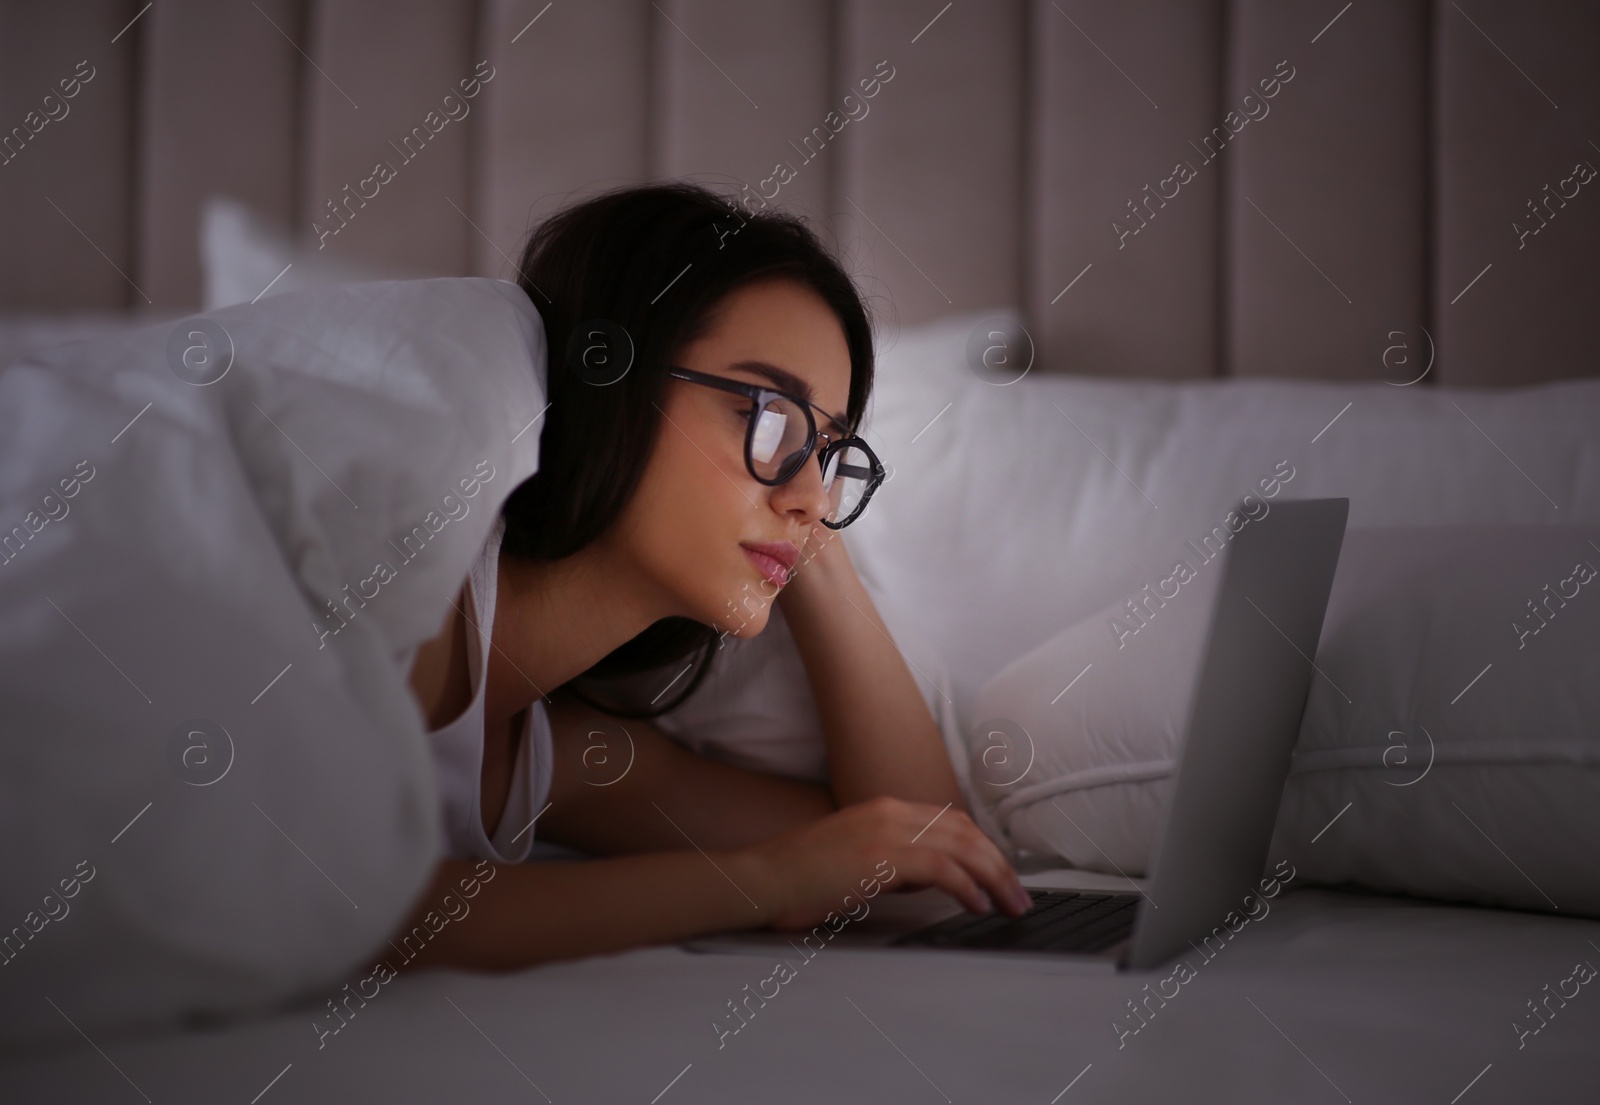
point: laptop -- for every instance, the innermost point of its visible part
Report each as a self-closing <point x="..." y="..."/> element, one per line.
<point x="1244" y="719"/>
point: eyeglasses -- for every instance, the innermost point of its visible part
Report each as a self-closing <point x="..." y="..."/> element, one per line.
<point x="781" y="432"/>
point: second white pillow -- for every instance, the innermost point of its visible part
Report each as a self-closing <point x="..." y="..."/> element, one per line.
<point x="1448" y="748"/>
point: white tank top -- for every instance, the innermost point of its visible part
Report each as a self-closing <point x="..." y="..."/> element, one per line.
<point x="458" y="747"/>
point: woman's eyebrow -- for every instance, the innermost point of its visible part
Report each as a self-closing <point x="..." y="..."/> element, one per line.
<point x="788" y="381"/>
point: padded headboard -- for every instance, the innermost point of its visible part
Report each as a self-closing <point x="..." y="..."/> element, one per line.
<point x="1167" y="188"/>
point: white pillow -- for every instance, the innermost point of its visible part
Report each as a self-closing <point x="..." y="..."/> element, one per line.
<point x="1465" y="763"/>
<point x="1016" y="509"/>
<point x="244" y="255"/>
<point x="181" y="520"/>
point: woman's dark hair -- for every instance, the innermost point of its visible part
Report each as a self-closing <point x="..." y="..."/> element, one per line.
<point x="624" y="281"/>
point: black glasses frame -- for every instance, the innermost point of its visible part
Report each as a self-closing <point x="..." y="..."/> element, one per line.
<point x="759" y="397"/>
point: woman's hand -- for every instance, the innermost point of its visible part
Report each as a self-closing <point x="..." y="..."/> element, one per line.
<point x="822" y="556"/>
<point x="802" y="875"/>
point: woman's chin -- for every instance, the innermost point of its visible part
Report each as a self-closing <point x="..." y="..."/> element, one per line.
<point x="747" y="621"/>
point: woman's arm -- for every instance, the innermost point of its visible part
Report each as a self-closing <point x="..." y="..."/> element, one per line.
<point x="651" y="794"/>
<point x="528" y="913"/>
<point x="881" y="738"/>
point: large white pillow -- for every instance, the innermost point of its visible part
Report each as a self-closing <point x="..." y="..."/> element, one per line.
<point x="1449" y="746"/>
<point x="1015" y="509"/>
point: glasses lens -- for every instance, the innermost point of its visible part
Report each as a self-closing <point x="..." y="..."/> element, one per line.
<point x="847" y="476"/>
<point x="777" y="447"/>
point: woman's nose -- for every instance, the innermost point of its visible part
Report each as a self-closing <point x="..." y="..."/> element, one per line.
<point x="804" y="491"/>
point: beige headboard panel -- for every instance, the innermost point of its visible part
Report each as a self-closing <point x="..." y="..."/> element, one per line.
<point x="1118" y="170"/>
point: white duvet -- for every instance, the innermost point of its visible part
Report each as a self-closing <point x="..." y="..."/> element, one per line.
<point x="220" y="544"/>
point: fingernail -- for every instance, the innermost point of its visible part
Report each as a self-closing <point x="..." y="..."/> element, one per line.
<point x="1021" y="897"/>
<point x="985" y="905"/>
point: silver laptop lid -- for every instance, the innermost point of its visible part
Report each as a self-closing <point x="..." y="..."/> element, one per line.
<point x="1243" y="722"/>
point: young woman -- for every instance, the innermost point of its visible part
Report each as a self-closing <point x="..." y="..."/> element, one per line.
<point x="708" y="368"/>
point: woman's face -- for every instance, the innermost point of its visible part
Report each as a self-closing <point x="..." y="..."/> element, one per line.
<point x="698" y="506"/>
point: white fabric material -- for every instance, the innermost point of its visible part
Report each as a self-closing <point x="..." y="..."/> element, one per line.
<point x="258" y="552"/>
<point x="458" y="746"/>
<point x="25" y="333"/>
<point x="1487" y="794"/>
<point x="1012" y="511"/>
<point x="1394" y="1001"/>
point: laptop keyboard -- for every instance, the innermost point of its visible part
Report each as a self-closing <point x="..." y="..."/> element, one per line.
<point x="1060" y="920"/>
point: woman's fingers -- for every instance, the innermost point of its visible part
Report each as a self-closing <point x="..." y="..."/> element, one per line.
<point x="953" y="879"/>
<point x="988" y="864"/>
<point x="980" y="864"/>
<point x="808" y="868"/>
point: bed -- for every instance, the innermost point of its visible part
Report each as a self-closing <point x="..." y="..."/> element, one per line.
<point x="1335" y="998"/>
<point x="1164" y="254"/>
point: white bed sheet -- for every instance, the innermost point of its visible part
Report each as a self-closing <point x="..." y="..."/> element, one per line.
<point x="1331" y="997"/>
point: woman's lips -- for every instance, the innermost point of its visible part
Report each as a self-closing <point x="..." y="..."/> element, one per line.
<point x="769" y="566"/>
